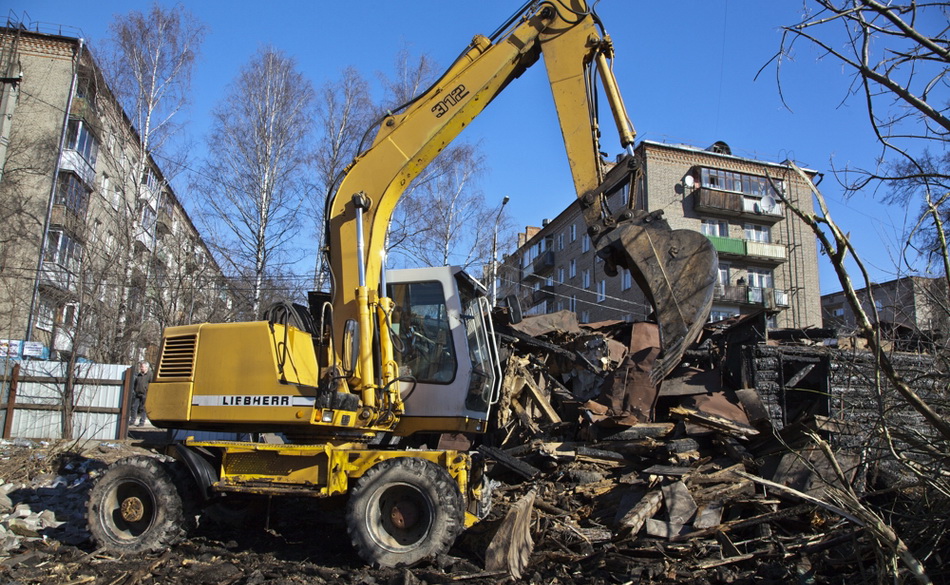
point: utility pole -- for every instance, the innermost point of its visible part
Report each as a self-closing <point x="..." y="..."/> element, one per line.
<point x="494" y="253"/>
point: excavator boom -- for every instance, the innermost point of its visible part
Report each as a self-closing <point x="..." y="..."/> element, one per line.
<point x="576" y="51"/>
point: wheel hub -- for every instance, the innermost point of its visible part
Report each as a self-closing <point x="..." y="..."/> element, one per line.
<point x="132" y="509"/>
<point x="404" y="514"/>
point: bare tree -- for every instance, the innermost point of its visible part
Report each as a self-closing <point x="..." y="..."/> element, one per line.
<point x="439" y="218"/>
<point x="147" y="62"/>
<point x="150" y="58"/>
<point x="254" y="185"/>
<point x="444" y="220"/>
<point x="898" y="56"/>
<point x="442" y="216"/>
<point x="345" y="115"/>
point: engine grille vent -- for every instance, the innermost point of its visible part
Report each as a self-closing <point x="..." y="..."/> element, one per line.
<point x="178" y="357"/>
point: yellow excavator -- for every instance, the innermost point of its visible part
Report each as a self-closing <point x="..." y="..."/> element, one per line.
<point x="381" y="388"/>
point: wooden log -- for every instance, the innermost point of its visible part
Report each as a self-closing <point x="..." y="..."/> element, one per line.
<point x="512" y="545"/>
<point x="714" y="422"/>
<point x="634" y="520"/>
<point x="525" y="418"/>
<point x="525" y="470"/>
<point x="541" y="401"/>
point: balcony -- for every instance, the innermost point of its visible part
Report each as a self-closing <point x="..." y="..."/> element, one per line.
<point x="726" y="203"/>
<point x="63" y="216"/>
<point x="544" y="262"/>
<point x="57" y="277"/>
<point x="164" y="222"/>
<point x="144" y="239"/>
<point x="764" y="209"/>
<point x="542" y="294"/>
<point x="763" y="251"/>
<point x="753" y="296"/>
<point x="728" y="246"/>
<point x="71" y="160"/>
<point x="748" y="250"/>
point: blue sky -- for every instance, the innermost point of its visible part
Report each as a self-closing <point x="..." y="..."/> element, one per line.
<point x="686" y="69"/>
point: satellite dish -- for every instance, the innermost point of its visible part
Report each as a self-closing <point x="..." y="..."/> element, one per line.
<point x="768" y="204"/>
<point x="689" y="181"/>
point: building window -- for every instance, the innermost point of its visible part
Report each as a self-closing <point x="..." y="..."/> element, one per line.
<point x="573" y="232"/>
<point x="80" y="139"/>
<point x="585" y="279"/>
<point x="715" y="227"/>
<point x="626" y="280"/>
<point x="560" y="241"/>
<point x="839" y="312"/>
<point x="109" y="192"/>
<point x="45" y="314"/>
<point x="739" y="182"/>
<point x="69" y="316"/>
<point x="585" y="245"/>
<point x="573" y="303"/>
<point x="148" y="218"/>
<point x="573" y="268"/>
<point x="758" y="233"/>
<point x="72" y="194"/>
<point x="601" y="291"/>
<point x="760" y="278"/>
<point x="150" y="179"/>
<point x="63" y="250"/>
<point x="722" y="274"/>
<point x="560" y="275"/>
<point x="585" y="317"/>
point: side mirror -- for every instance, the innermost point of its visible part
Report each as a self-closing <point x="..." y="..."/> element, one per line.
<point x="514" y="309"/>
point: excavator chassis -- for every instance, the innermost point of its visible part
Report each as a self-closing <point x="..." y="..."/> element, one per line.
<point x="402" y="505"/>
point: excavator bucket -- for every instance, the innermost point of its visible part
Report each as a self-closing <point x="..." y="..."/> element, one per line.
<point x="676" y="269"/>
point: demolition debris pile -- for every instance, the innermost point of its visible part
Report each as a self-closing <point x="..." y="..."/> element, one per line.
<point x="703" y="473"/>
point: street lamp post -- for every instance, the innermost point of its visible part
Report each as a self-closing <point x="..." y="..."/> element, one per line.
<point x="494" y="253"/>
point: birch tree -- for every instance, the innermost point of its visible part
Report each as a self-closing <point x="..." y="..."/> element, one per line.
<point x="254" y="185"/>
<point x="148" y="61"/>
<point x="345" y="114"/>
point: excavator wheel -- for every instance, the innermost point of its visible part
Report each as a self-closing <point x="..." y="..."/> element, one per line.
<point x="403" y="510"/>
<point x="136" y="507"/>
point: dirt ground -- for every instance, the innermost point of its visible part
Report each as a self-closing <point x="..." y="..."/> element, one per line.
<point x="302" y="541"/>
<point x="305" y="542"/>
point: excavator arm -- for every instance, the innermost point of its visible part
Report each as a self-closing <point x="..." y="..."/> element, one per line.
<point x="569" y="36"/>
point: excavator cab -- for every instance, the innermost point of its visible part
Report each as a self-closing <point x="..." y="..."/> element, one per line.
<point x="449" y="370"/>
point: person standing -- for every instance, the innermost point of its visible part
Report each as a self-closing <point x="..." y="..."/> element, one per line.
<point x="139" y="389"/>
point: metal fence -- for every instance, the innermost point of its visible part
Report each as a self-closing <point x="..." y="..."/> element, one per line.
<point x="33" y="392"/>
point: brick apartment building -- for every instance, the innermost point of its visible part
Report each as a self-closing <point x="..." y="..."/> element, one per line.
<point x="906" y="306"/>
<point x="767" y="257"/>
<point x="96" y="254"/>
